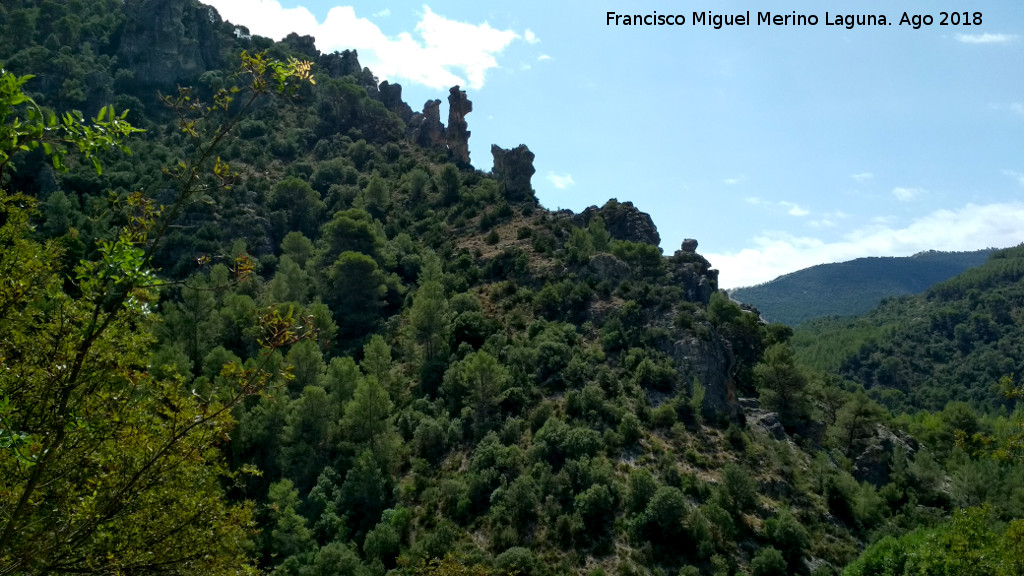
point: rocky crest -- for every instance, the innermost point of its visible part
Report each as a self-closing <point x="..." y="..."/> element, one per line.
<point x="513" y="169"/>
<point x="457" y="135"/>
<point x="165" y="41"/>
<point x="693" y="273"/>
<point x="623" y="221"/>
<point x="390" y="95"/>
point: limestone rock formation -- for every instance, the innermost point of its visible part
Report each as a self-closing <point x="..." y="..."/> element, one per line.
<point x="514" y="169"/>
<point x="165" y="41"/>
<point x="457" y="134"/>
<point x="391" y="97"/>
<point x="623" y="221"/>
<point x="304" y="44"/>
<point x="426" y="128"/>
<point x="711" y="363"/>
<point x="693" y="273"/>
<point x="874" y="463"/>
<point x="344" y="63"/>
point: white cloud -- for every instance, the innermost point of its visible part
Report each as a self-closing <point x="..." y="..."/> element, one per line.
<point x="543" y="57"/>
<point x="442" y="53"/>
<point x="383" y="13"/>
<point x="530" y="37"/>
<point x="906" y="194"/>
<point x="735" y="180"/>
<point x="862" y="177"/>
<point x="794" y="209"/>
<point x="1017" y="108"/>
<point x="970" y="227"/>
<point x="985" y="38"/>
<point x="561" y="182"/>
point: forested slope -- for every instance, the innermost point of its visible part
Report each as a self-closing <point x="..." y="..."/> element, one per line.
<point x="419" y="361"/>
<point x="852" y="288"/>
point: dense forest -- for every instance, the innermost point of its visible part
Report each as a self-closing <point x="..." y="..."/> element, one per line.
<point x="852" y="288"/>
<point x="259" y="316"/>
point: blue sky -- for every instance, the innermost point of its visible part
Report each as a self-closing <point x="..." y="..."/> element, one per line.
<point x="776" y="147"/>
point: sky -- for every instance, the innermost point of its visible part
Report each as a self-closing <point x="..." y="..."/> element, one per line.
<point x="777" y="147"/>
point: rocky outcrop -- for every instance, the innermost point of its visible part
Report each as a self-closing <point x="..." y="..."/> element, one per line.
<point x="457" y="134"/>
<point x="608" y="267"/>
<point x="513" y="169"/>
<point x="304" y="44"/>
<point x="693" y="273"/>
<point x="426" y="128"/>
<point x="711" y="363"/>
<point x="874" y="463"/>
<point x="390" y="96"/>
<point x="165" y="41"/>
<point x="344" y="63"/>
<point x="623" y="221"/>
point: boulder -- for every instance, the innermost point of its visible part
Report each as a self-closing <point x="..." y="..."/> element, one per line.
<point x="457" y="134"/>
<point x="689" y="246"/>
<point x="513" y="169"/>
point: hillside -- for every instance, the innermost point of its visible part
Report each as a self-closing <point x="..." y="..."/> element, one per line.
<point x="953" y="342"/>
<point x="297" y="332"/>
<point x="852" y="288"/>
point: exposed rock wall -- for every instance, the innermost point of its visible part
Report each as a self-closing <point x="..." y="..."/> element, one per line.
<point x="457" y="134"/>
<point x="165" y="41"/>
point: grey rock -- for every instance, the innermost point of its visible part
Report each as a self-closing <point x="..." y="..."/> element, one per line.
<point x="689" y="246"/>
<point x="874" y="463"/>
<point x="623" y="221"/>
<point x="457" y="134"/>
<point x="711" y="363"/>
<point x="166" y="41"/>
<point x="513" y="170"/>
<point x="608" y="267"/>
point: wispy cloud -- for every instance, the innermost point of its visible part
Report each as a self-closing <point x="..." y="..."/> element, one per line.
<point x="734" y="180"/>
<point x="1017" y="108"/>
<point x="862" y="177"/>
<point x="439" y="53"/>
<point x="530" y="37"/>
<point x="561" y="181"/>
<point x="970" y="227"/>
<point x="985" y="38"/>
<point x="543" y="57"/>
<point x="1015" y="175"/>
<point x="383" y="13"/>
<point x="794" y="209"/>
<point x="907" y="194"/>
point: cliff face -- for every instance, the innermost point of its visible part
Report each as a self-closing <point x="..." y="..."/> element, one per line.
<point x="165" y="41"/>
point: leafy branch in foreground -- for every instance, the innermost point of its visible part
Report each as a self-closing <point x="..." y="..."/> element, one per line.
<point x="105" y="468"/>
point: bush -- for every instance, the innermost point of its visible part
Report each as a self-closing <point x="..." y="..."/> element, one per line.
<point x="768" y="562"/>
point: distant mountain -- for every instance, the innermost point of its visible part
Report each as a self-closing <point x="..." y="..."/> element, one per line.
<point x="953" y="342"/>
<point x="854" y="287"/>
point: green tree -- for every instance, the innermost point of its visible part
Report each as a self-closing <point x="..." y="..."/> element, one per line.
<point x="105" y="468"/>
<point x="781" y="384"/>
